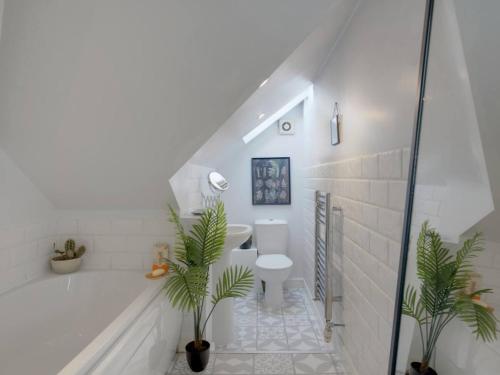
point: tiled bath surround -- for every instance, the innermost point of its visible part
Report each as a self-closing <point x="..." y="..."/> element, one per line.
<point x="26" y="227"/>
<point x="116" y="240"/>
<point x="370" y="190"/>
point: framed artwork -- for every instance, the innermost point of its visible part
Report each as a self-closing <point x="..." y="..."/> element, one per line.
<point x="271" y="181"/>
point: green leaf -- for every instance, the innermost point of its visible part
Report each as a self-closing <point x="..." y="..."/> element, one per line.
<point x="463" y="263"/>
<point x="443" y="278"/>
<point x="235" y="281"/>
<point x="412" y="306"/>
<point x="186" y="287"/>
<point x="478" y="317"/>
<point x="183" y="249"/>
<point x="209" y="234"/>
<point x="435" y="269"/>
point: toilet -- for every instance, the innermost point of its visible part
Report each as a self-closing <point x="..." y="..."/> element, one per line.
<point x="272" y="264"/>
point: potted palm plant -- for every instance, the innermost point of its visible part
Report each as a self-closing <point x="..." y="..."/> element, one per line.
<point x="187" y="284"/>
<point x="444" y="294"/>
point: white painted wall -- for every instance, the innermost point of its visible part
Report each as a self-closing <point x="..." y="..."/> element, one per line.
<point x="372" y="74"/>
<point x="238" y="199"/>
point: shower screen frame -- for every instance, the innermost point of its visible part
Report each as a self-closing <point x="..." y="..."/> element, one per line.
<point x="410" y="190"/>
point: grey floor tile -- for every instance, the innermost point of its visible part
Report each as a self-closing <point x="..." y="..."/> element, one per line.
<point x="273" y="364"/>
<point x="314" y="364"/>
<point x="270" y="320"/>
<point x="297" y="320"/>
<point x="181" y="367"/>
<point x="233" y="364"/>
<point x="271" y="338"/>
<point x="245" y="320"/>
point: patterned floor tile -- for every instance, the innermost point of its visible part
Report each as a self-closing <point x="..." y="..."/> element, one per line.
<point x="245" y="340"/>
<point x="291" y="328"/>
<point x="297" y="320"/>
<point x="245" y="320"/>
<point x="271" y="333"/>
<point x="273" y="364"/>
<point x="233" y="364"/>
<point x="272" y="338"/>
<point x="270" y="320"/>
<point x="245" y="310"/>
<point x="300" y="332"/>
<point x="269" y="310"/>
<point x="302" y="339"/>
<point x="181" y="367"/>
<point x="245" y="305"/>
<point x="295" y="308"/>
<point x="314" y="364"/>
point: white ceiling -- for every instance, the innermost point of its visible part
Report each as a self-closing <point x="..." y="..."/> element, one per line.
<point x="101" y="101"/>
<point x="290" y="80"/>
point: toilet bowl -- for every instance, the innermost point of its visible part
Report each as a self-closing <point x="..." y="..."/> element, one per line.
<point x="274" y="269"/>
<point x="272" y="264"/>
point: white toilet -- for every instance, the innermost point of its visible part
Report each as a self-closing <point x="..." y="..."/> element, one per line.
<point x="272" y="265"/>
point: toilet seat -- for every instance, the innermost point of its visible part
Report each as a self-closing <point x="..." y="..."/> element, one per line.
<point x="273" y="262"/>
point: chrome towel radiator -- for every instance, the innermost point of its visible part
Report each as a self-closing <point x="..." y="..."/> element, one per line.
<point x="323" y="261"/>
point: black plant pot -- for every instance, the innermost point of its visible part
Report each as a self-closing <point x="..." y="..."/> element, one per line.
<point x="198" y="359"/>
<point x="414" y="370"/>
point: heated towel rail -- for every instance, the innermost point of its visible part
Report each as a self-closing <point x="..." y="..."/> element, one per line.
<point x="323" y="262"/>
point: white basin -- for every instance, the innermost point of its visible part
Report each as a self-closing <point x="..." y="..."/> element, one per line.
<point x="236" y="235"/>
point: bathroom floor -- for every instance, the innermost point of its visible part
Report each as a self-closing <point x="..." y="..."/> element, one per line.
<point x="293" y="327"/>
<point x="286" y="340"/>
<point x="265" y="364"/>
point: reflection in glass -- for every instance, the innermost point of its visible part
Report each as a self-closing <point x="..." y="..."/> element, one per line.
<point x="457" y="188"/>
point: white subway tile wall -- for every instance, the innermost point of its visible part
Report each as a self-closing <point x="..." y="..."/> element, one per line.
<point x="370" y="189"/>
<point x="26" y="227"/>
<point x="116" y="241"/>
<point x="24" y="253"/>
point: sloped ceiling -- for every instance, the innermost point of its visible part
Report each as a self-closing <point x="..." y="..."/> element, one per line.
<point x="289" y="80"/>
<point x="101" y="101"/>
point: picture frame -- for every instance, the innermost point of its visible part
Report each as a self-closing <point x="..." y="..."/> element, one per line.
<point x="271" y="181"/>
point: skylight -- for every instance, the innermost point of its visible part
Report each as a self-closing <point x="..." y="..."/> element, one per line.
<point x="278" y="114"/>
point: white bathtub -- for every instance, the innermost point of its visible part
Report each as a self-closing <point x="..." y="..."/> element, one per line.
<point x="88" y="323"/>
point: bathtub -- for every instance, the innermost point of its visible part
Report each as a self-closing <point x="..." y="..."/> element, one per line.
<point x="88" y="323"/>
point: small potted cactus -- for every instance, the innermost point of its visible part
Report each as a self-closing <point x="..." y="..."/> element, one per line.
<point x="69" y="260"/>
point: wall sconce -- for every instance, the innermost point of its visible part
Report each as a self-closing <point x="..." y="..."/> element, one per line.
<point x="335" y="125"/>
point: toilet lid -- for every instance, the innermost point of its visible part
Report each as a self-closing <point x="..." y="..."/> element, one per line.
<point x="273" y="261"/>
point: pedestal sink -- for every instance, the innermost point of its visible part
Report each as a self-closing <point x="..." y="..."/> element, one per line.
<point x="222" y="325"/>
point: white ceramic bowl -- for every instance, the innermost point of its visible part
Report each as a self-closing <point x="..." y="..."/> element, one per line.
<point x="66" y="266"/>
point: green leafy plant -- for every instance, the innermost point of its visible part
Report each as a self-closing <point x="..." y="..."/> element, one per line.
<point x="195" y="252"/>
<point x="70" y="251"/>
<point x="442" y="294"/>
